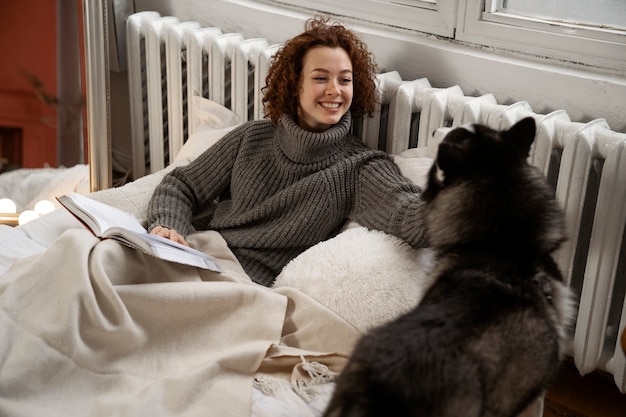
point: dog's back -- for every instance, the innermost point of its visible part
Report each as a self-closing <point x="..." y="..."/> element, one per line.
<point x="488" y="336"/>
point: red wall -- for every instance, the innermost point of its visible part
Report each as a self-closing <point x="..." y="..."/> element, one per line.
<point x="28" y="44"/>
<point x="28" y="41"/>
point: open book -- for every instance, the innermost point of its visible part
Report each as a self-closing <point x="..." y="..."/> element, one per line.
<point x="107" y="222"/>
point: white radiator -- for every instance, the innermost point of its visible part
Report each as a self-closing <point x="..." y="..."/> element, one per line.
<point x="170" y="61"/>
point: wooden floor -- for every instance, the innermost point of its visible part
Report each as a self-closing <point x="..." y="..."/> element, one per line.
<point x="594" y="395"/>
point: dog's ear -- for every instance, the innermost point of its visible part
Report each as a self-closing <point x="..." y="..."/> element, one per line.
<point x="451" y="154"/>
<point x="522" y="135"/>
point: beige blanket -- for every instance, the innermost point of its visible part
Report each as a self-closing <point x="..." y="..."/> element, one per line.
<point x="90" y="328"/>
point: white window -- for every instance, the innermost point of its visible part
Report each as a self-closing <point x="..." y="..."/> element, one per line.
<point x="591" y="33"/>
<point x="550" y="28"/>
<point x="437" y="17"/>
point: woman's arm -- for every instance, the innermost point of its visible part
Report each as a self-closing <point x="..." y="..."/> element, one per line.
<point x="187" y="190"/>
<point x="387" y="201"/>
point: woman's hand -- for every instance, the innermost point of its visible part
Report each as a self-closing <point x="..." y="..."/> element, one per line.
<point x="171" y="234"/>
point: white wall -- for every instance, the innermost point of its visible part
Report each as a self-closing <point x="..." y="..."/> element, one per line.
<point x="546" y="84"/>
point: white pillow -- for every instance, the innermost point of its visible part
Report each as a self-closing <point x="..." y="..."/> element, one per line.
<point x="413" y="168"/>
<point x="213" y="121"/>
<point x="367" y="277"/>
<point x="199" y="141"/>
<point x="210" y="113"/>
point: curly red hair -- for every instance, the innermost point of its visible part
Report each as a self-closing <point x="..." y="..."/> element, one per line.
<point x="283" y="79"/>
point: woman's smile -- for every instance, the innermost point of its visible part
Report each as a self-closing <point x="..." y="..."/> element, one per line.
<point x="331" y="106"/>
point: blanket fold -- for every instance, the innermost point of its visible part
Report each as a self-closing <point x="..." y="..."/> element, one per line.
<point x="93" y="328"/>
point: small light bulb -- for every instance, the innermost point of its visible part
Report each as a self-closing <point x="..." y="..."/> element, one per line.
<point x="26" y="216"/>
<point x="44" y="207"/>
<point x="7" y="206"/>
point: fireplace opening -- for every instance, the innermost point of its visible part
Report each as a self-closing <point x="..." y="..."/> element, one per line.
<point x="10" y="148"/>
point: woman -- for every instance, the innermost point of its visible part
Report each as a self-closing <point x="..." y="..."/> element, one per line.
<point x="287" y="183"/>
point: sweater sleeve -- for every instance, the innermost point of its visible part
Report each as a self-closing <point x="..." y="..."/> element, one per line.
<point x="387" y="201"/>
<point x="187" y="190"/>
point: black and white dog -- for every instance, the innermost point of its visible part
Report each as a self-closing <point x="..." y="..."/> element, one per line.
<point x="489" y="335"/>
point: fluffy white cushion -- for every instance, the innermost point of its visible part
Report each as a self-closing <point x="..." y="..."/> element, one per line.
<point x="367" y="277"/>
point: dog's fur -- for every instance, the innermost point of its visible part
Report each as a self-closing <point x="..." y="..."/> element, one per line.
<point x="489" y="335"/>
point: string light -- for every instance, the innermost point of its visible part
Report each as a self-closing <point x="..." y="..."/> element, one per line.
<point x="44" y="207"/>
<point x="26" y="216"/>
<point x="8" y="211"/>
<point x="7" y="206"/>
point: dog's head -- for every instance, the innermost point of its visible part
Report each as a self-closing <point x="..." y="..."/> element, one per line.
<point x="481" y="189"/>
<point x="472" y="152"/>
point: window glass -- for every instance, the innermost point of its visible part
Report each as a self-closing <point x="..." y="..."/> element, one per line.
<point x="602" y="13"/>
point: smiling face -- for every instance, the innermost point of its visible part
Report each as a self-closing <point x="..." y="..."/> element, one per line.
<point x="325" y="88"/>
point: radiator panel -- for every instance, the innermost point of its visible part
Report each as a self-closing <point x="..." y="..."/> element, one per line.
<point x="585" y="163"/>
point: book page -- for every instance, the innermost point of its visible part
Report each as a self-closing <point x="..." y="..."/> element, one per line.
<point x="160" y="240"/>
<point x="168" y="249"/>
<point x="108" y="216"/>
<point x="125" y="228"/>
<point x="170" y="253"/>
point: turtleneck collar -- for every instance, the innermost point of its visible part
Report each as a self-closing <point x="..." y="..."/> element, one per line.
<point x="302" y="146"/>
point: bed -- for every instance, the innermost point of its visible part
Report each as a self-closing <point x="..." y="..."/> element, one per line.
<point x="90" y="327"/>
<point x="220" y="343"/>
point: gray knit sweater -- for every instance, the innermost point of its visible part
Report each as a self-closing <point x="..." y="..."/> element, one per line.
<point x="282" y="189"/>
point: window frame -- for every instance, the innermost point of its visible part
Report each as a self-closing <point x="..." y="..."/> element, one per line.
<point x="435" y="18"/>
<point x="581" y="45"/>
